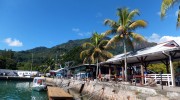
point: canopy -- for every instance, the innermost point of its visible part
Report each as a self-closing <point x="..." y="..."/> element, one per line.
<point x="150" y="54"/>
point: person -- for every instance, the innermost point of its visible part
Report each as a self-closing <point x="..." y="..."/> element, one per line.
<point x="99" y="76"/>
<point x="40" y="81"/>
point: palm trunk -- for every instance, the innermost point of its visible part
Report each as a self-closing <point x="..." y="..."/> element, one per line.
<point x="97" y="69"/>
<point x="125" y="59"/>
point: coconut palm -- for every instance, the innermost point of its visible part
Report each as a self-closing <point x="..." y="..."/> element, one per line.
<point x="94" y="51"/>
<point x="166" y="4"/>
<point x="123" y="30"/>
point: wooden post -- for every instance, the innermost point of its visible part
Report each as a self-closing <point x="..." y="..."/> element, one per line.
<point x="69" y="83"/>
<point x="142" y="75"/>
<point x="172" y="71"/>
<point x="82" y="87"/>
<point x="109" y="73"/>
<point x="167" y="64"/>
<point x="123" y="73"/>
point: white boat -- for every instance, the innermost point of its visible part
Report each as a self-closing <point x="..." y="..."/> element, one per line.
<point x="39" y="84"/>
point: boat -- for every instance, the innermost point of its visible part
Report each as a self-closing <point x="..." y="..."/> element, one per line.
<point x="39" y="84"/>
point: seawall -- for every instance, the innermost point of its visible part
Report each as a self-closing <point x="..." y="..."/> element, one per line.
<point x="113" y="91"/>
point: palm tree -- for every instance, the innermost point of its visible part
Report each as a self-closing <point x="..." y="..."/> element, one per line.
<point x="94" y="51"/>
<point x="166" y="4"/>
<point x="123" y="30"/>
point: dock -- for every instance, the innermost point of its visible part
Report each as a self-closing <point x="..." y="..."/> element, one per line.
<point x="56" y="93"/>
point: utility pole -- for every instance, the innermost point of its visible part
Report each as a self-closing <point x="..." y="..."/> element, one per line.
<point x="31" y="63"/>
<point x="56" y="60"/>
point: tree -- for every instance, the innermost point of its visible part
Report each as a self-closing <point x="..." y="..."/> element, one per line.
<point x="11" y="64"/>
<point x="166" y="4"/>
<point x="123" y="30"/>
<point x="73" y="55"/>
<point x="2" y="62"/>
<point x="94" y="51"/>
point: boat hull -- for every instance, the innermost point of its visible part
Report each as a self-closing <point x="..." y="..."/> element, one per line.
<point x="39" y="88"/>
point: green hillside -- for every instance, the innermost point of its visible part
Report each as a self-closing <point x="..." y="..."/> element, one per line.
<point x="42" y="57"/>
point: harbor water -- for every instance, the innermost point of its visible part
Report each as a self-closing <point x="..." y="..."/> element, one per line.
<point x="20" y="90"/>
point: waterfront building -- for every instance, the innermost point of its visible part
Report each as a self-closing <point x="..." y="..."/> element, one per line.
<point x="165" y="53"/>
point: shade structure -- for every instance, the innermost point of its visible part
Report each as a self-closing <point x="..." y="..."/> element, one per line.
<point x="169" y="50"/>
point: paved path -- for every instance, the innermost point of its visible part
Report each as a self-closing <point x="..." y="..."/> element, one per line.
<point x="166" y="88"/>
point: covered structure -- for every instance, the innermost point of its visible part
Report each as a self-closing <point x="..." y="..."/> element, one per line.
<point x="166" y="53"/>
<point x="89" y="69"/>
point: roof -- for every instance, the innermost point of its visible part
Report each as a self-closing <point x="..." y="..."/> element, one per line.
<point x="59" y="70"/>
<point x="39" y="78"/>
<point x="151" y="53"/>
<point x="82" y="65"/>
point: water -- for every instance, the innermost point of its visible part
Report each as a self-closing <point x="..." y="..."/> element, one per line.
<point x="20" y="90"/>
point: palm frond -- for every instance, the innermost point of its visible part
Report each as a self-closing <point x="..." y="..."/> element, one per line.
<point x="85" y="60"/>
<point x="101" y="59"/>
<point x="137" y="37"/>
<point x="138" y="23"/>
<point x="166" y="4"/>
<point x="108" y="32"/>
<point x="110" y="22"/>
<point x="123" y="14"/>
<point x="116" y="38"/>
<point x="87" y="44"/>
<point x="120" y="29"/>
<point x="97" y="50"/>
<point x="107" y="54"/>
<point x="84" y="53"/>
<point x="133" y="13"/>
<point x="92" y="58"/>
<point x="178" y="19"/>
<point x="103" y="43"/>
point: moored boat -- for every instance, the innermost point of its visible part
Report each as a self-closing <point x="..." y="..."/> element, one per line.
<point x="39" y="84"/>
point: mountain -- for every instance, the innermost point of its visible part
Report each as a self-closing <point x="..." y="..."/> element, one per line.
<point x="62" y="53"/>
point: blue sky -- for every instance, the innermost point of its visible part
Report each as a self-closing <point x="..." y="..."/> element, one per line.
<point x="26" y="24"/>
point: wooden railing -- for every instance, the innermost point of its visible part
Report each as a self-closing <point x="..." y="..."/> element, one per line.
<point x="165" y="77"/>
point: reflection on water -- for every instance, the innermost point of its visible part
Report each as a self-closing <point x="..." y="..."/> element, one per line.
<point x="19" y="90"/>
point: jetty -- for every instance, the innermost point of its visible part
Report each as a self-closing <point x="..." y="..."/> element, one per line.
<point x="56" y="93"/>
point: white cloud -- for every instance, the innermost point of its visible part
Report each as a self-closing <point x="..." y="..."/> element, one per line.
<point x="99" y="14"/>
<point x="168" y="38"/>
<point x="176" y="13"/>
<point x="78" y="32"/>
<point x="75" y="29"/>
<point x="84" y="33"/>
<point x="13" y="42"/>
<point x="159" y="39"/>
<point x="154" y="38"/>
<point x="159" y="13"/>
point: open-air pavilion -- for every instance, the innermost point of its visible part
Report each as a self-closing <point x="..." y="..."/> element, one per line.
<point x="165" y="53"/>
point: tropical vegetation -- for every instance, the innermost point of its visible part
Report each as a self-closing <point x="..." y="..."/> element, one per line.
<point x="123" y="30"/>
<point x="166" y="4"/>
<point x="95" y="50"/>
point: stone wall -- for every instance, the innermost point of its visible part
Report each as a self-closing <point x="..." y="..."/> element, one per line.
<point x="111" y="90"/>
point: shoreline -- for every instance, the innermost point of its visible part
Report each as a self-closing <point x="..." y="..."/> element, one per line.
<point x="117" y="91"/>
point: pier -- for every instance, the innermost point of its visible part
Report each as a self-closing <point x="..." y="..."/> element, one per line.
<point x="56" y="93"/>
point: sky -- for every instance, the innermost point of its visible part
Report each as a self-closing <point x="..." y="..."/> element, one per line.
<point x="26" y="24"/>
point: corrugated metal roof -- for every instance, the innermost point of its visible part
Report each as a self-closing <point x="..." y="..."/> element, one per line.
<point x="158" y="49"/>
